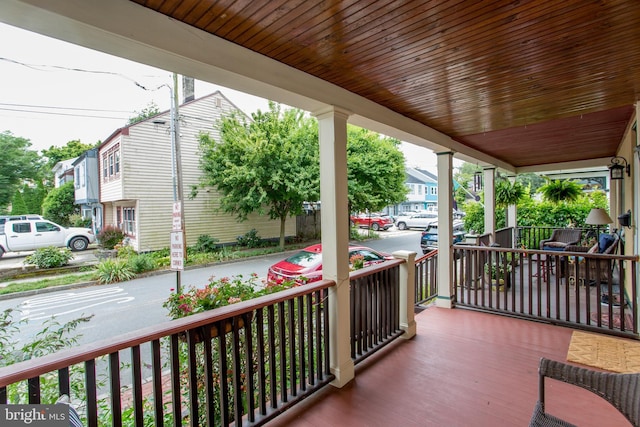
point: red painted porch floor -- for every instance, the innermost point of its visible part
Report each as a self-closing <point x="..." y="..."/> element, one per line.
<point x="463" y="368"/>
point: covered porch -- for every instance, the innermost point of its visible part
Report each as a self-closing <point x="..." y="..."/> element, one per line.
<point x="463" y="368"/>
<point x="520" y="87"/>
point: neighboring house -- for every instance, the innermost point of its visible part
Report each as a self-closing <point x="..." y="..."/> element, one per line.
<point x="87" y="187"/>
<point x="136" y="185"/>
<point x="423" y="192"/>
<point x="63" y="172"/>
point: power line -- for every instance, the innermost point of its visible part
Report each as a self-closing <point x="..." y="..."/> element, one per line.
<point x="65" y="108"/>
<point x="62" y="114"/>
<point x="43" y="67"/>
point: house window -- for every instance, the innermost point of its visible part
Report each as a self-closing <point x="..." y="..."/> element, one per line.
<point x="111" y="163"/>
<point x="434" y="191"/>
<point x="420" y="189"/>
<point x="76" y="177"/>
<point x="127" y="220"/>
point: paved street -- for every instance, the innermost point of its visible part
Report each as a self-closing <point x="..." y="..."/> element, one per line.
<point x="128" y="306"/>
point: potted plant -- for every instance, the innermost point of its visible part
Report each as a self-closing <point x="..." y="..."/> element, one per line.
<point x="498" y="275"/>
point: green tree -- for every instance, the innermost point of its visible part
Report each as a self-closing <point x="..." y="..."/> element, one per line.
<point x="57" y="154"/>
<point x="146" y="113"/>
<point x="18" y="164"/>
<point x="270" y="162"/>
<point x="375" y="169"/>
<point x="59" y="204"/>
<point x="33" y="197"/>
<point x="18" y="207"/>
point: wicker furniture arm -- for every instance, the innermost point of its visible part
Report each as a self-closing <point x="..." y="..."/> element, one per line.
<point x="621" y="390"/>
<point x="562" y="237"/>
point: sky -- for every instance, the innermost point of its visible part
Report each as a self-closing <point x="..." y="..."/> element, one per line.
<point x="53" y="92"/>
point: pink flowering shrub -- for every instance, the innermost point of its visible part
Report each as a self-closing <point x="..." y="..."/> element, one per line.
<point x="218" y="293"/>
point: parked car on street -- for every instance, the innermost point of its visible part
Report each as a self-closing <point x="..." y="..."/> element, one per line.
<point x="306" y="266"/>
<point x="416" y="220"/>
<point x="29" y="235"/>
<point x="5" y="218"/>
<point x="372" y="221"/>
<point x="429" y="237"/>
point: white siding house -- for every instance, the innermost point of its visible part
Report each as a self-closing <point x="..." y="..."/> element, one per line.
<point x="86" y="183"/>
<point x="63" y="172"/>
<point x="136" y="182"/>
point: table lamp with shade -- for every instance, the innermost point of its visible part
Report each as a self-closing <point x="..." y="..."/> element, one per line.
<point x="598" y="217"/>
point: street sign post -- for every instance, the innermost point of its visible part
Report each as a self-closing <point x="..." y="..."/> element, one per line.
<point x="177" y="250"/>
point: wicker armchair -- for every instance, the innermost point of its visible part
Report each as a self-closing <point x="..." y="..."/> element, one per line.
<point x="600" y="270"/>
<point x="561" y="238"/>
<point x="621" y="390"/>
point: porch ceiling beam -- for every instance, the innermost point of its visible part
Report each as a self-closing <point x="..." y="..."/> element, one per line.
<point x="589" y="164"/>
<point x="128" y="30"/>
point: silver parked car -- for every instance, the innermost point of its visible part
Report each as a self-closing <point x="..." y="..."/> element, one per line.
<point x="417" y="220"/>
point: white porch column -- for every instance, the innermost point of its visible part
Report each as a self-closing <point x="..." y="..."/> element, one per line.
<point x="445" y="229"/>
<point x="490" y="202"/>
<point x="407" y="293"/>
<point x="332" y="129"/>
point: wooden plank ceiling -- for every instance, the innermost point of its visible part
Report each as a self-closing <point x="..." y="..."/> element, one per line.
<point x="528" y="82"/>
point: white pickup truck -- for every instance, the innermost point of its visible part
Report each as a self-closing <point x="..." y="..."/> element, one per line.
<point x="29" y="235"/>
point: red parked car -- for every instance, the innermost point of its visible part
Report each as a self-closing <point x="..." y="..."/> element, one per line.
<point x="306" y="266"/>
<point x="374" y="222"/>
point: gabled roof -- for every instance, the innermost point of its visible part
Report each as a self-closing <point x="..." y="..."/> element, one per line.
<point x="421" y="176"/>
<point x="164" y="114"/>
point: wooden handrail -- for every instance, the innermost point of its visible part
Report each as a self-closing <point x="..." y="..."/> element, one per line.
<point x="62" y="359"/>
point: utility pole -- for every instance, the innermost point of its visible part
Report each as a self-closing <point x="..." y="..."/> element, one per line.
<point x="178" y="235"/>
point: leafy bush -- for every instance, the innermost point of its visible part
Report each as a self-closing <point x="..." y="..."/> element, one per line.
<point x="17" y="347"/>
<point x="218" y="293"/>
<point x="126" y="251"/>
<point x="49" y="257"/>
<point x="59" y="204"/>
<point x="250" y="239"/>
<point x="76" y="220"/>
<point x="114" y="270"/>
<point x="141" y="262"/>
<point x="110" y="236"/>
<point x="206" y="243"/>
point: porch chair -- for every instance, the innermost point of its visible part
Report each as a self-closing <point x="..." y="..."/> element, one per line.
<point x="607" y="245"/>
<point x="621" y="390"/>
<point x="560" y="239"/>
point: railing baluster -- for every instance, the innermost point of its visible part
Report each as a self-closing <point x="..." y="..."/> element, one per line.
<point x="156" y="366"/>
<point x="310" y="337"/>
<point x="291" y="344"/>
<point x="301" y="339"/>
<point x="237" y="371"/>
<point x="92" y="400"/>
<point x="282" y="351"/>
<point x="273" y="373"/>
<point x="209" y="388"/>
<point x="114" y="375"/>
<point x="63" y="382"/>
<point x="176" y="400"/>
<point x="249" y="351"/>
<point x="193" y="376"/>
<point x="136" y="373"/>
<point x="33" y="385"/>
<point x="225" y="416"/>
<point x="260" y="349"/>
